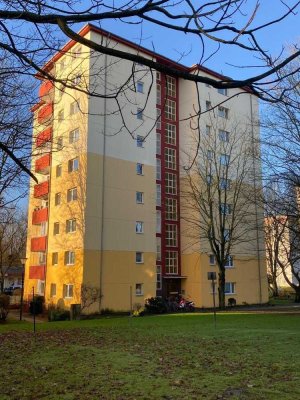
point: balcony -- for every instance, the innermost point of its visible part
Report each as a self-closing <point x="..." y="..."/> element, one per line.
<point x="41" y="190"/>
<point x="42" y="165"/>
<point x="43" y="137"/>
<point x="45" y="113"/>
<point x="39" y="216"/>
<point x="45" y="88"/>
<point x="39" y="243"/>
<point x="37" y="272"/>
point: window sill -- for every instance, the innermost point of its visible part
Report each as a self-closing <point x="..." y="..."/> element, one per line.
<point x="139" y="295"/>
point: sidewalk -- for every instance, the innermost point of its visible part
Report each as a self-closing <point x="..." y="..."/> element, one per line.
<point x="15" y="314"/>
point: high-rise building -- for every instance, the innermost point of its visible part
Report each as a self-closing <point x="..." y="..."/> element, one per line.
<point x="106" y="212"/>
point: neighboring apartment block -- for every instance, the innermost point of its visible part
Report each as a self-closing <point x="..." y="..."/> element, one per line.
<point x="106" y="212"/>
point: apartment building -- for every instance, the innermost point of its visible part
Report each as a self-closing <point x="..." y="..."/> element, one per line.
<point x="106" y="212"/>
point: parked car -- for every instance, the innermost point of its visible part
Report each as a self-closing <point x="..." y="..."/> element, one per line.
<point x="10" y="290"/>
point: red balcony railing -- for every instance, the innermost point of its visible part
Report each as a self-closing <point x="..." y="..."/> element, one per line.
<point x="42" y="164"/>
<point x="41" y="190"/>
<point x="43" y="137"/>
<point x="39" y="216"/>
<point x="45" y="113"/>
<point x="37" y="272"/>
<point x="45" y="88"/>
<point x="39" y="243"/>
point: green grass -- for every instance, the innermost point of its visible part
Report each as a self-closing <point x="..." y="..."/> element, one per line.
<point x="181" y="357"/>
<point x="282" y="300"/>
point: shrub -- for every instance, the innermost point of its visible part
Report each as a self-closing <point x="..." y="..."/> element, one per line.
<point x="36" y="305"/>
<point x="156" y="305"/>
<point x="4" y="306"/>
<point x="57" y="314"/>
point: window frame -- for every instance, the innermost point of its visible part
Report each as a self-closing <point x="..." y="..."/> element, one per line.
<point x="141" y="254"/>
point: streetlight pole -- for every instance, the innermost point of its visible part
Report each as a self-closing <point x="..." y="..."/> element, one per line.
<point x="23" y="262"/>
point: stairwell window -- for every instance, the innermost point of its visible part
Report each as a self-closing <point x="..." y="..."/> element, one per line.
<point x="139" y="289"/>
<point x="170" y="110"/>
<point x="71" y="225"/>
<point x="139" y="257"/>
<point x="54" y="258"/>
<point x="58" y="170"/>
<point x="53" y="290"/>
<point x="60" y="116"/>
<point x="73" y="165"/>
<point x="171" y="183"/>
<point x="68" y="291"/>
<point x="171" y="262"/>
<point x="158" y="249"/>
<point x="140" y="141"/>
<point x="69" y="257"/>
<point x="223" y="112"/>
<point x="171" y="235"/>
<point x="71" y="194"/>
<point x="59" y="143"/>
<point x="139" y="227"/>
<point x="158" y="221"/>
<point x="171" y="209"/>
<point x="158" y="143"/>
<point x="140" y="87"/>
<point x="56" y="228"/>
<point x="158" y="195"/>
<point x="139" y="114"/>
<point x="139" y="169"/>
<point x="170" y="158"/>
<point x="158" y="169"/>
<point x="57" y="199"/>
<point x="171" y="134"/>
<point x="171" y="86"/>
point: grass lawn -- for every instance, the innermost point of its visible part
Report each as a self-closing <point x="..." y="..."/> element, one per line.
<point x="161" y="357"/>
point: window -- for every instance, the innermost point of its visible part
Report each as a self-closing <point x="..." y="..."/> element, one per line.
<point x="158" y="118"/>
<point x="223" y="112"/>
<point x="138" y="289"/>
<point x="61" y="116"/>
<point x="71" y="194"/>
<point x="73" y="165"/>
<point x="59" y="143"/>
<point x="229" y="262"/>
<point x="158" y="249"/>
<point x="53" y="290"/>
<point x="139" y="114"/>
<point x="77" y="52"/>
<point x="229" y="287"/>
<point x="57" y="199"/>
<point x="208" y="129"/>
<point x="158" y="169"/>
<point x="42" y="258"/>
<point x="170" y="158"/>
<point x="158" y="277"/>
<point x="139" y="141"/>
<point x="71" y="225"/>
<point x="158" y="195"/>
<point x="139" y="227"/>
<point x="171" y="235"/>
<point x="140" y="87"/>
<point x="171" y="86"/>
<point x="157" y="76"/>
<point x="224" y="159"/>
<point x="69" y="257"/>
<point x="171" y="209"/>
<point x="139" y="257"/>
<point x="76" y="80"/>
<point x="223" y="91"/>
<point x="209" y="179"/>
<point x="210" y="155"/>
<point x="158" y="143"/>
<point x="208" y="105"/>
<point x="139" y="197"/>
<point x="68" y="291"/>
<point x="40" y="287"/>
<point x="171" y="183"/>
<point x="158" y="94"/>
<point x="223" y="136"/>
<point x="54" y="258"/>
<point x="170" y="110"/>
<point x="225" y="184"/>
<point x="74" y="136"/>
<point x="225" y="208"/>
<point x="58" y="170"/>
<point x="171" y="262"/>
<point x="44" y="226"/>
<point x="226" y="234"/>
<point x="158" y="221"/>
<point x="62" y="64"/>
<point x="139" y="168"/>
<point x="171" y="134"/>
<point x="56" y="228"/>
<point x="74" y="107"/>
<point x="212" y="259"/>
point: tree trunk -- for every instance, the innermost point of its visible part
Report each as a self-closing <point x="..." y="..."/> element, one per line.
<point x="275" y="287"/>
<point x="221" y="288"/>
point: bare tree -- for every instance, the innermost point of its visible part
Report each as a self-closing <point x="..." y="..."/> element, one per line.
<point x="12" y="240"/>
<point x="218" y="197"/>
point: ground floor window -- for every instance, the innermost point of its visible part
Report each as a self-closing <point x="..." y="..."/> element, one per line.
<point x="68" y="291"/>
<point x="139" y="289"/>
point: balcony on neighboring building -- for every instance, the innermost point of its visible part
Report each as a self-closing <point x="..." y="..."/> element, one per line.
<point x="43" y="137"/>
<point x="39" y="215"/>
<point x="38" y="243"/>
<point x="45" y="113"/>
<point x="45" y="88"/>
<point x="37" y="272"/>
<point x="41" y="190"/>
<point x="42" y="165"/>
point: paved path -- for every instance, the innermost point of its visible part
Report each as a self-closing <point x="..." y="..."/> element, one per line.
<point x="15" y="314"/>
